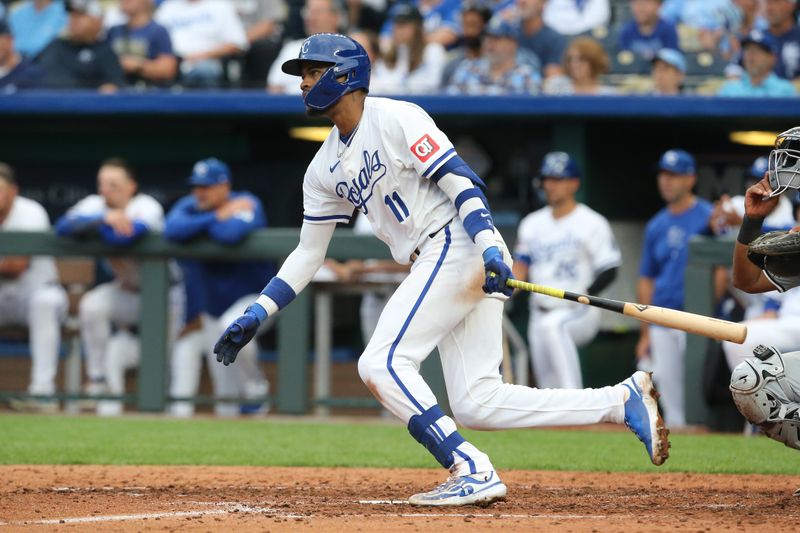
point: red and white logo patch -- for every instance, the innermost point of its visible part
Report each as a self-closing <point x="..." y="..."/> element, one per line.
<point x="424" y="148"/>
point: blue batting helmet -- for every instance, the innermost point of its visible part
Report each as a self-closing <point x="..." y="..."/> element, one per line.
<point x="559" y="165"/>
<point x="346" y="57"/>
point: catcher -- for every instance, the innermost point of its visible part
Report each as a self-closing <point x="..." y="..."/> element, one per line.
<point x="766" y="388"/>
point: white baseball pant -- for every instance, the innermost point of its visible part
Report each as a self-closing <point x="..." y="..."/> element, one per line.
<point x="782" y="333"/>
<point x="441" y="304"/>
<point x="244" y="379"/>
<point x="42" y="309"/>
<point x="667" y="351"/>
<point x="553" y="337"/>
<point x="109" y="356"/>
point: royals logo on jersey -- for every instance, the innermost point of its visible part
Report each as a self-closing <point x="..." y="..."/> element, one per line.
<point x="382" y="171"/>
<point x="372" y="171"/>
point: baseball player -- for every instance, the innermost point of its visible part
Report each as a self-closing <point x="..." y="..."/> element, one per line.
<point x="30" y="294"/>
<point x="766" y="387"/>
<point x="566" y="245"/>
<point x="388" y="159"/>
<point x="220" y="290"/>
<point x="664" y="257"/>
<point x="120" y="215"/>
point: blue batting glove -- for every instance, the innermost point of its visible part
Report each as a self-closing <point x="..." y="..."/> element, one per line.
<point x="497" y="272"/>
<point x="239" y="333"/>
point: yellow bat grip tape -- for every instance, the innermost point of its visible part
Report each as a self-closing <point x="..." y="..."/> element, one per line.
<point x="532" y="287"/>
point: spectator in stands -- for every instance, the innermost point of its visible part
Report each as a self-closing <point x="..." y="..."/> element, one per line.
<point x="263" y="21"/>
<point x="30" y="294"/>
<point x="499" y="70"/>
<point x="546" y="43"/>
<point x="410" y="65"/>
<point x="707" y="21"/>
<point x="81" y="60"/>
<point x="35" y="23"/>
<point x="749" y="19"/>
<point x="584" y="62"/>
<point x="319" y="16"/>
<point x="119" y="215"/>
<point x="669" y="68"/>
<point x="366" y="14"/>
<point x="16" y="72"/>
<point x="203" y="33"/>
<point x="475" y="15"/>
<point x="573" y="17"/>
<point x="759" y="57"/>
<point x="369" y="40"/>
<point x="143" y="47"/>
<point x="784" y="29"/>
<point x="214" y="211"/>
<point x="441" y="20"/>
<point x="647" y="33"/>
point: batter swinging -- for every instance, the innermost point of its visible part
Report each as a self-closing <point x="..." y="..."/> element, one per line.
<point x="388" y="159"/>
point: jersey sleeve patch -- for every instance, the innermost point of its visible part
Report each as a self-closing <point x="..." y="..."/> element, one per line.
<point x="424" y="148"/>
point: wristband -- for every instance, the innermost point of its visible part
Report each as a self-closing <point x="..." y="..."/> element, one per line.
<point x="259" y="312"/>
<point x="749" y="230"/>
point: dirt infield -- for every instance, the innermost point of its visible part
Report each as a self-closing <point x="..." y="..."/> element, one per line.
<point x="127" y="498"/>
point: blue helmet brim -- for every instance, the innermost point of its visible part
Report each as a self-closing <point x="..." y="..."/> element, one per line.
<point x="293" y="66"/>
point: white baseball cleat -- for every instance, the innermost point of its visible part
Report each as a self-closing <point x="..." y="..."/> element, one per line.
<point x="643" y="418"/>
<point x="482" y="488"/>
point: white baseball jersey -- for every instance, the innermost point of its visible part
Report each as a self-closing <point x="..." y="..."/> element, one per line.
<point x="197" y="27"/>
<point x="382" y="170"/>
<point x="567" y="253"/>
<point x="142" y="208"/>
<point x="28" y="215"/>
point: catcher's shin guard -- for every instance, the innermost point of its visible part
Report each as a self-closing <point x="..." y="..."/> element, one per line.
<point x="768" y="398"/>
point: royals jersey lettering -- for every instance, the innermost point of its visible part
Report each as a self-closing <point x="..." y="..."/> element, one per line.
<point x="378" y="171"/>
<point x="567" y="252"/>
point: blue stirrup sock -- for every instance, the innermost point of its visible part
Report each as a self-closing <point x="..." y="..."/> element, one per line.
<point x="422" y="428"/>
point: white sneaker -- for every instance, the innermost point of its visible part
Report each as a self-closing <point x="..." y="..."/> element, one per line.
<point x="482" y="488"/>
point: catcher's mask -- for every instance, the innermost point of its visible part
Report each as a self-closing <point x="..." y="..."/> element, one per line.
<point x="784" y="162"/>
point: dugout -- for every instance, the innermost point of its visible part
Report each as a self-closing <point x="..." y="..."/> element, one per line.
<point x="56" y="140"/>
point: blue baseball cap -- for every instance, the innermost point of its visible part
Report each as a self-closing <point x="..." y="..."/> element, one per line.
<point x="672" y="58"/>
<point x="758" y="168"/>
<point x="677" y="161"/>
<point x="209" y="171"/>
<point x="559" y="165"/>
<point x="499" y="27"/>
<point x="763" y="39"/>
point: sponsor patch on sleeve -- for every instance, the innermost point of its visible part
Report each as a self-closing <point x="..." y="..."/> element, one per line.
<point x="424" y="148"/>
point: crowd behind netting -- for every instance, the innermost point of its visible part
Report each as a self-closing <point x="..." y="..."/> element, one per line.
<point x="498" y="47"/>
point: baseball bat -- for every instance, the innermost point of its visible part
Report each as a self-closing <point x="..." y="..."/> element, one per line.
<point x="698" y="324"/>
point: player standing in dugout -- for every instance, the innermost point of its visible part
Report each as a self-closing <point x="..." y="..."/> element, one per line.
<point x="388" y="159"/>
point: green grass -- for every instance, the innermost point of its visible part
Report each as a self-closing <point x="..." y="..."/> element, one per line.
<point x="89" y="440"/>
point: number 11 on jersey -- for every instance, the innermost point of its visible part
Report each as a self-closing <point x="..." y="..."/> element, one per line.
<point x="394" y="203"/>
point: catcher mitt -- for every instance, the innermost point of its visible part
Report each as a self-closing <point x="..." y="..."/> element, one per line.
<point x="777" y="253"/>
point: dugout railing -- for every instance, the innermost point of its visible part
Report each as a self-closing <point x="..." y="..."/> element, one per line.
<point x="294" y="335"/>
<point x="295" y="328"/>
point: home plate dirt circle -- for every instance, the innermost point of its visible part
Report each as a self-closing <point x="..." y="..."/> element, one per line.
<point x="195" y="498"/>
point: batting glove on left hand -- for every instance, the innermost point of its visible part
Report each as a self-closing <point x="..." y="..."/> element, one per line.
<point x="239" y="333"/>
<point x="497" y="272"/>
